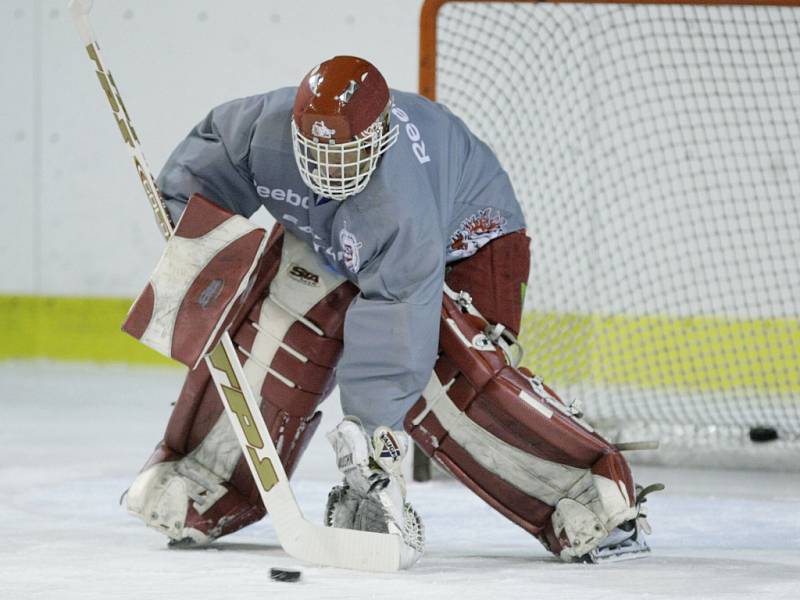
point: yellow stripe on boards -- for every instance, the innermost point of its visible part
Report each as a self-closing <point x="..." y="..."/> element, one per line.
<point x="687" y="353"/>
<point x="70" y="329"/>
<point x="680" y="353"/>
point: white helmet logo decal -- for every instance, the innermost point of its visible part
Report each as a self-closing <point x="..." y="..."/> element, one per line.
<point x="346" y="95"/>
<point x="320" y="130"/>
<point x="314" y="81"/>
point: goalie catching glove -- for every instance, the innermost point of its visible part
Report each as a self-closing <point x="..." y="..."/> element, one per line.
<point x="372" y="497"/>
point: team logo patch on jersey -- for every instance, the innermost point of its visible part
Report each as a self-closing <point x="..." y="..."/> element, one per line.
<point x="320" y="130"/>
<point x="350" y="246"/>
<point x="475" y="232"/>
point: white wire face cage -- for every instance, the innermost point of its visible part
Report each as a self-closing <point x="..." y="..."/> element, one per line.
<point x="338" y="171"/>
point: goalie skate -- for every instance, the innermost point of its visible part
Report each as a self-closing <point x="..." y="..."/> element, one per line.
<point x="628" y="540"/>
<point x="620" y="545"/>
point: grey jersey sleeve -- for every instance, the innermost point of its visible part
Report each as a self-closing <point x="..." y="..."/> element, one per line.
<point x="212" y="161"/>
<point x="391" y="330"/>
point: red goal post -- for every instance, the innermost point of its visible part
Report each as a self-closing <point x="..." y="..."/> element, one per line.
<point x="654" y="148"/>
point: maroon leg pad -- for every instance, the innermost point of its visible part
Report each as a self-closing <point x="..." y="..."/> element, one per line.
<point x="503" y="401"/>
<point x="290" y="413"/>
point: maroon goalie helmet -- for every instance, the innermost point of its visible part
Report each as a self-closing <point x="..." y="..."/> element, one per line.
<point x="340" y="126"/>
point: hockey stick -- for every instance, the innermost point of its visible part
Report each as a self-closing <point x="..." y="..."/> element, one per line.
<point x="345" y="548"/>
<point x="80" y="15"/>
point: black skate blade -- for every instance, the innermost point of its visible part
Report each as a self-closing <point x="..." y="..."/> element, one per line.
<point x="183" y="544"/>
<point x="628" y="550"/>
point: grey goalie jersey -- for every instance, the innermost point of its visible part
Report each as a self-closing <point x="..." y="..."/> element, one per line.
<point x="437" y="196"/>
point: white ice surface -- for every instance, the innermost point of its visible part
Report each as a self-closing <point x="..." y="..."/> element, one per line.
<point x="73" y="437"/>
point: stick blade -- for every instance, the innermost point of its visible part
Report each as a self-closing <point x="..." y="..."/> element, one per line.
<point x="342" y="548"/>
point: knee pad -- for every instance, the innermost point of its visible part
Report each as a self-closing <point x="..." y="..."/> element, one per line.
<point x="196" y="485"/>
<point x="513" y="442"/>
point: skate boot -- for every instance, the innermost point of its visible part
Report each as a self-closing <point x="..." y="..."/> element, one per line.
<point x="628" y="540"/>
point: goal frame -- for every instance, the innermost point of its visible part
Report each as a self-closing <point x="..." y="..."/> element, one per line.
<point x="767" y="457"/>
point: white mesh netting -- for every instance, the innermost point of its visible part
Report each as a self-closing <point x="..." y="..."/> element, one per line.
<point x="655" y="150"/>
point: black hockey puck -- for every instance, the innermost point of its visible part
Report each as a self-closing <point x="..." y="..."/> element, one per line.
<point x="284" y="575"/>
<point x="763" y="434"/>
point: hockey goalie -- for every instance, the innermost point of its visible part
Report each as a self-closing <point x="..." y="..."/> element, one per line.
<point x="396" y="271"/>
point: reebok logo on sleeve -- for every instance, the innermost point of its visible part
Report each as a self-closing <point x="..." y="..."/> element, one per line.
<point x="288" y="196"/>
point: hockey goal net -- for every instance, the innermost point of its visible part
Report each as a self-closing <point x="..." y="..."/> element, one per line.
<point x="655" y="149"/>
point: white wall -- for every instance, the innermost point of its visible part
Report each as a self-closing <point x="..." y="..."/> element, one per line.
<point x="73" y="219"/>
